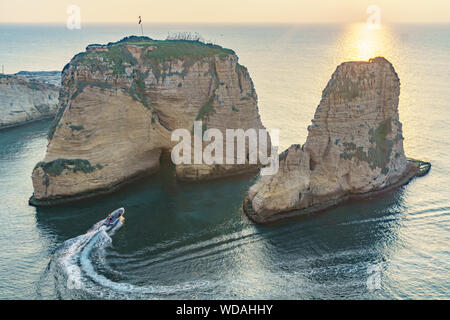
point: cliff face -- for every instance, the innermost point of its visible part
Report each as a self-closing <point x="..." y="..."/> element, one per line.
<point x="119" y="104"/>
<point x="23" y="100"/>
<point x="354" y="146"/>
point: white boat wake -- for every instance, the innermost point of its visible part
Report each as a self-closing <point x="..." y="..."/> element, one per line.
<point x="75" y="271"/>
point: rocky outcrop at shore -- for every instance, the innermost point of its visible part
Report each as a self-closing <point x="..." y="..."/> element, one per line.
<point x="354" y="147"/>
<point x="47" y="77"/>
<point x="119" y="104"/>
<point x="27" y="97"/>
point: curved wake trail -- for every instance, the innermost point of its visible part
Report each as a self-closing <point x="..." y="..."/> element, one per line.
<point x="76" y="273"/>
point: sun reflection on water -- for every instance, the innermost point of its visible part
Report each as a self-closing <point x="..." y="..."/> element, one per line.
<point x="361" y="42"/>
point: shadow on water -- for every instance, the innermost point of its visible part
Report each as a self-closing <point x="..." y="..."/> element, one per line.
<point x="329" y="254"/>
<point x="157" y="206"/>
<point x="176" y="231"/>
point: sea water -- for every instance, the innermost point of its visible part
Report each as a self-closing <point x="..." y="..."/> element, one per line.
<point x="191" y="240"/>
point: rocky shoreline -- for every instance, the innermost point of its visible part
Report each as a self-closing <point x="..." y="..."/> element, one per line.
<point x="417" y="168"/>
<point x="25" y="122"/>
<point x="26" y="97"/>
<point x="90" y="194"/>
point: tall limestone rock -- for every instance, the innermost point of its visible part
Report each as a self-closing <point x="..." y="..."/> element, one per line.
<point x="119" y="104"/>
<point x="24" y="100"/>
<point x="354" y="146"/>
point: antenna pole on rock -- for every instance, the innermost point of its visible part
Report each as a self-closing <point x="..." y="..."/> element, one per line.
<point x="142" y="28"/>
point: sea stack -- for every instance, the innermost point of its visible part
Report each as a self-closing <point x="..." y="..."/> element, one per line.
<point x="354" y="147"/>
<point x="119" y="104"/>
<point x="27" y="97"/>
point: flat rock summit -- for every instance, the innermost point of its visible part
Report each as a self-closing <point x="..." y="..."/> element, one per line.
<point x="354" y="147"/>
<point x="119" y="104"/>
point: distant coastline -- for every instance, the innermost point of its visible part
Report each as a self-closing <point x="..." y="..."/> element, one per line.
<point x="28" y="96"/>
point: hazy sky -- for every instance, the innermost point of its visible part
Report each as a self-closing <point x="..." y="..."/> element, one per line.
<point x="229" y="11"/>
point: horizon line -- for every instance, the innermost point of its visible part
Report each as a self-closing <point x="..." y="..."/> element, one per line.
<point x="222" y="22"/>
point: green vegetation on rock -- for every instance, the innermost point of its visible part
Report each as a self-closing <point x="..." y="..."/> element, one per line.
<point x="118" y="57"/>
<point x="56" y="167"/>
<point x="378" y="155"/>
<point x="137" y="89"/>
<point x="241" y="71"/>
<point x="206" y="108"/>
<point x="158" y="60"/>
<point x="175" y="49"/>
<point x="80" y="85"/>
<point x="76" y="128"/>
<point x="52" y="129"/>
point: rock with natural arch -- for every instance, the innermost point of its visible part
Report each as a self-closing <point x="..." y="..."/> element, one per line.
<point x="119" y="104"/>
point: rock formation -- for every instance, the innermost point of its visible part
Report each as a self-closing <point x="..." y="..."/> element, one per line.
<point x="354" y="147"/>
<point x="119" y="104"/>
<point x="47" y="77"/>
<point x="23" y="99"/>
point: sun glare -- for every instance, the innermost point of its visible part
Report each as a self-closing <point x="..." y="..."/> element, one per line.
<point x="362" y="42"/>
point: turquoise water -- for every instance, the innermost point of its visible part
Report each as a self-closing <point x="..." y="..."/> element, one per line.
<point x="191" y="240"/>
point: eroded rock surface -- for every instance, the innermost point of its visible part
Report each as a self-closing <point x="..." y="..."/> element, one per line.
<point x="119" y="104"/>
<point x="47" y="77"/>
<point x="24" y="100"/>
<point x="354" y="146"/>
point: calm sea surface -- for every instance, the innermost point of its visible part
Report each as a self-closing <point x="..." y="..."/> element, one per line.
<point x="192" y="240"/>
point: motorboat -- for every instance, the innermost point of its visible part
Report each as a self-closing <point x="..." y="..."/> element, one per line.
<point x="113" y="218"/>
